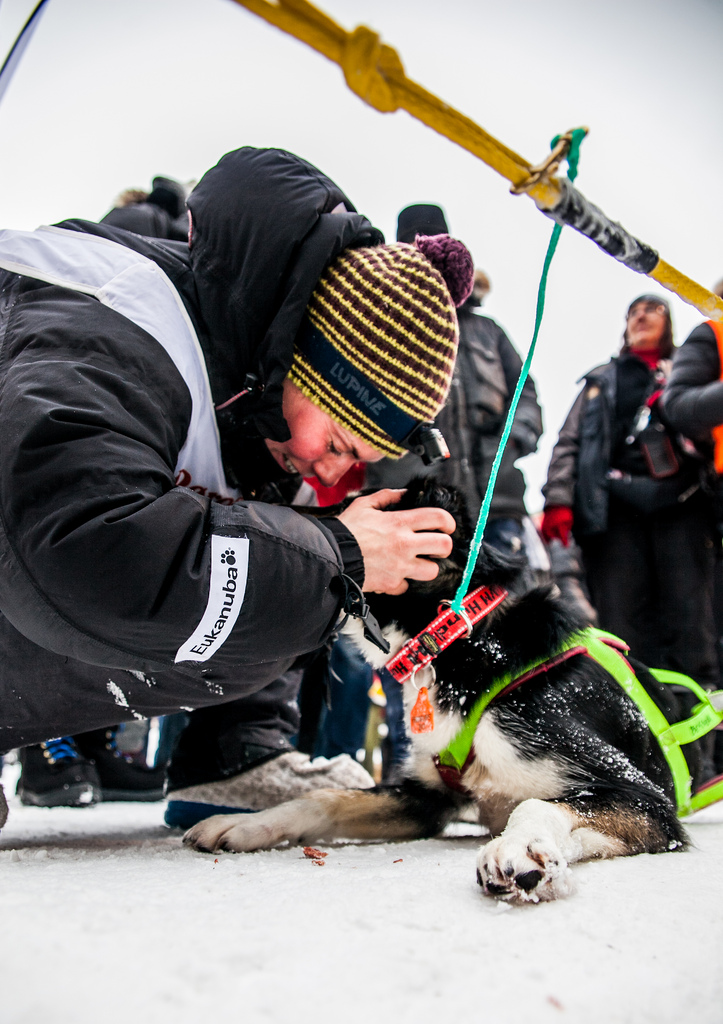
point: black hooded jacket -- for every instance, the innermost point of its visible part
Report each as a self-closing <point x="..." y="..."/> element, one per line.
<point x="162" y="214"/>
<point x="104" y="560"/>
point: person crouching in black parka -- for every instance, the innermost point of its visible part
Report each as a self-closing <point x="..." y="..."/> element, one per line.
<point x="158" y="399"/>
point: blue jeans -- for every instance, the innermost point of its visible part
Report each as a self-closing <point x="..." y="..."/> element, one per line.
<point x="342" y="729"/>
<point x="506" y="535"/>
<point x="397" y="744"/>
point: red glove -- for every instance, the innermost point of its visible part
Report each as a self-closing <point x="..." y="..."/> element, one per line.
<point x="652" y="400"/>
<point x="557" y="523"/>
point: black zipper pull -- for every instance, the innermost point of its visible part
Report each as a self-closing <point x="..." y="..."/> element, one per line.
<point x="355" y="604"/>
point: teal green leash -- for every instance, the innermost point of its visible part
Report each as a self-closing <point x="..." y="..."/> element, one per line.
<point x="707" y="714"/>
<point x="573" y="157"/>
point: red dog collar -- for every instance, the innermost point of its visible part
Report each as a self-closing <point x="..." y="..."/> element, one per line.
<point x="444" y="630"/>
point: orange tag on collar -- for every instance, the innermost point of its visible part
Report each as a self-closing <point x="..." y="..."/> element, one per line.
<point x="422" y="716"/>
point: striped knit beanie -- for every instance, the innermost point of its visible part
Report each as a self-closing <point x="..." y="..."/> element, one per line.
<point x="377" y="347"/>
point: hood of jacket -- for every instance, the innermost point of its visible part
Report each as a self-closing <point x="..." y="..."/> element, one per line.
<point x="265" y="226"/>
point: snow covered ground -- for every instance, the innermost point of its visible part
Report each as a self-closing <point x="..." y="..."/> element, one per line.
<point x="105" y="917"/>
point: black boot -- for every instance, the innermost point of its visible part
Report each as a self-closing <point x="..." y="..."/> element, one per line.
<point x="56" y="774"/>
<point x="3" y="807"/>
<point x="121" y="777"/>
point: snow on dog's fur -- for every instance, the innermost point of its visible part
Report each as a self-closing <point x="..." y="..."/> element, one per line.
<point x="565" y="768"/>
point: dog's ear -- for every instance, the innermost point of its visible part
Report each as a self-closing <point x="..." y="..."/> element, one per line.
<point x="493" y="568"/>
<point x="425" y="492"/>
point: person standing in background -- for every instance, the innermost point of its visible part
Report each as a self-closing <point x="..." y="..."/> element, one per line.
<point x="334" y="696"/>
<point x="160" y="213"/>
<point x="693" y="403"/>
<point x="472" y="420"/>
<point x="635" y="497"/>
<point x="474" y="415"/>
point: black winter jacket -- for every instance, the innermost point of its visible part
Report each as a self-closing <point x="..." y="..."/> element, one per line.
<point x="693" y="397"/>
<point x="581" y="457"/>
<point x="162" y="214"/>
<point x="104" y="560"/>
<point x="591" y="443"/>
<point x="149" y="220"/>
<point x="489" y="367"/>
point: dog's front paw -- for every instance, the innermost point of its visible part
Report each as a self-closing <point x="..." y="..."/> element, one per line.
<point x="232" y="833"/>
<point x="511" y="869"/>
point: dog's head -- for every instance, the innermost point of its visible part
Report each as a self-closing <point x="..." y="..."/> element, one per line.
<point x="416" y="608"/>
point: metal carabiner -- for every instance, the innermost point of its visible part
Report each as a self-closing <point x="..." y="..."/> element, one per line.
<point x="416" y="669"/>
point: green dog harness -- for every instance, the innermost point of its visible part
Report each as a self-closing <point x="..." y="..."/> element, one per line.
<point x="608" y="651"/>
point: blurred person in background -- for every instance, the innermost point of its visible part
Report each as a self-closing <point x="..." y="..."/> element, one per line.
<point x="160" y="213"/>
<point x="334" y="697"/>
<point x="693" y="403"/>
<point x="473" y="418"/>
<point x="635" y="496"/>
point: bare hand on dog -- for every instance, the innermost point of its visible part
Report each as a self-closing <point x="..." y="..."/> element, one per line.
<point x="397" y="546"/>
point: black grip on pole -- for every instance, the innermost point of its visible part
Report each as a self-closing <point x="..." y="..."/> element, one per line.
<point x="575" y="211"/>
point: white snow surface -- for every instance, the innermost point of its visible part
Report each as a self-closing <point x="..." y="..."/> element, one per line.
<point x="105" y="917"/>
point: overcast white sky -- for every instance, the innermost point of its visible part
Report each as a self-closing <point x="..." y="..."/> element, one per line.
<point x="112" y="92"/>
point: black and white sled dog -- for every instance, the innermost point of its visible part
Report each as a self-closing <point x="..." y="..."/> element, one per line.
<point x="563" y="768"/>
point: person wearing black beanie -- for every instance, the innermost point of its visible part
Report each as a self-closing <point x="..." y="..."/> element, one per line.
<point x="473" y="418"/>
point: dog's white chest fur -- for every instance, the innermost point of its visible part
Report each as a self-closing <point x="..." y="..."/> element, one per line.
<point x="498" y="778"/>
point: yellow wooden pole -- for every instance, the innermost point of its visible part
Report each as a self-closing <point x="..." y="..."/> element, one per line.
<point x="707" y="302"/>
<point x="374" y="71"/>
